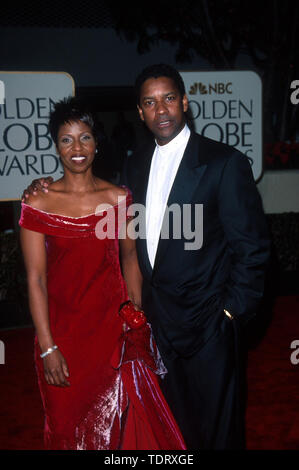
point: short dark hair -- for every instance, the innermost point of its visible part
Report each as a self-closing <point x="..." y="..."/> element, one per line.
<point x="156" y="71"/>
<point x="68" y="110"/>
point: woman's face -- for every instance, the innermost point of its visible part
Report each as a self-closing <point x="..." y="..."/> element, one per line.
<point x="76" y="146"/>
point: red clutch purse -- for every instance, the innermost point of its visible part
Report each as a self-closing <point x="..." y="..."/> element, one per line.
<point x="134" y="318"/>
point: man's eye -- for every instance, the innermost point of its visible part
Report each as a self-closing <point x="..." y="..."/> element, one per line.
<point x="170" y="98"/>
<point x="148" y="103"/>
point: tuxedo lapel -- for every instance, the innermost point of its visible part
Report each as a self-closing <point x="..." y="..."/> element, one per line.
<point x="140" y="198"/>
<point x="142" y="175"/>
<point x="190" y="172"/>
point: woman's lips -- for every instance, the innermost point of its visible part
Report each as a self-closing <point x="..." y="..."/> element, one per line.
<point x="78" y="158"/>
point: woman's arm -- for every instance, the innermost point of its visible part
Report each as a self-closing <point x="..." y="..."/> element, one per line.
<point x="35" y="258"/>
<point x="130" y="269"/>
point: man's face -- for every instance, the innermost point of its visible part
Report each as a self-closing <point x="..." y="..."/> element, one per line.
<point x="162" y="108"/>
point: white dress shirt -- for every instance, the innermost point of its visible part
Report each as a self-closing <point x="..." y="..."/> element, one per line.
<point x="165" y="162"/>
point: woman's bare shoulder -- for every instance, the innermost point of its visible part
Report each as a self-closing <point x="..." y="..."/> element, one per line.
<point x="113" y="191"/>
<point x="43" y="200"/>
<point x="38" y="200"/>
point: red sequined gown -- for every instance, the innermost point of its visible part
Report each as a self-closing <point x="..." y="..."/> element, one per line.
<point x="114" y="400"/>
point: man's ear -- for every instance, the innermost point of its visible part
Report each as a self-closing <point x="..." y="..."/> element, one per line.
<point x="185" y="103"/>
<point x="140" y="113"/>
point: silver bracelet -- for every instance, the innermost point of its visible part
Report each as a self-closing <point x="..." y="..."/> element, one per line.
<point x="49" y="351"/>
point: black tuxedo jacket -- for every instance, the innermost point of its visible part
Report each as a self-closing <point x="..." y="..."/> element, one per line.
<point x="185" y="292"/>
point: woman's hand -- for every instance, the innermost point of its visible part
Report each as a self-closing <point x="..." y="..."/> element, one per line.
<point x="56" y="369"/>
<point x="41" y="184"/>
<point x="136" y="306"/>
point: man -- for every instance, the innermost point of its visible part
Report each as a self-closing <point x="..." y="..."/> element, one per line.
<point x="197" y="297"/>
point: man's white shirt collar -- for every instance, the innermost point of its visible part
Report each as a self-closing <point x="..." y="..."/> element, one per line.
<point x="165" y="163"/>
<point x="177" y="141"/>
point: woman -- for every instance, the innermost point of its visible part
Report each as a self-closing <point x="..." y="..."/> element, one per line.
<point x="98" y="380"/>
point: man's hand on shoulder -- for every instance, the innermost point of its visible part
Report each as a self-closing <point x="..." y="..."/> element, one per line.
<point x="40" y="200"/>
<point x="40" y="184"/>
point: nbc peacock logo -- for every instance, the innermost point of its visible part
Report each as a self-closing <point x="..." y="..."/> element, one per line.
<point x="217" y="88"/>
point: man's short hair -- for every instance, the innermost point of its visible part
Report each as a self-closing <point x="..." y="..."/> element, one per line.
<point x="156" y="71"/>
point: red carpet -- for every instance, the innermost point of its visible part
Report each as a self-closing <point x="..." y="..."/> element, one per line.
<point x="21" y="414"/>
<point x="272" y="412"/>
<point x="273" y="383"/>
